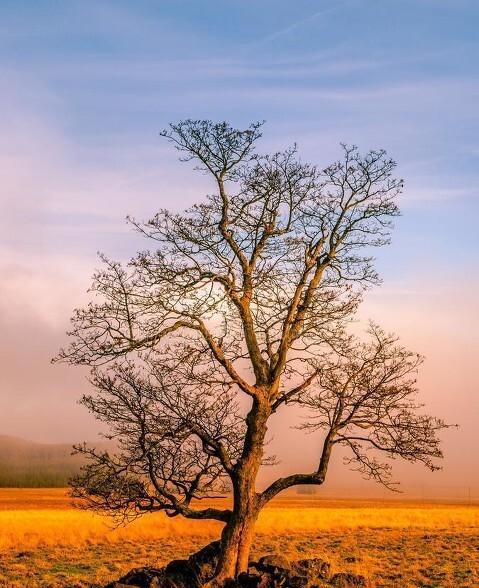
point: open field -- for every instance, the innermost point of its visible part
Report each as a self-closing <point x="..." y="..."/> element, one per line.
<point x="44" y="542"/>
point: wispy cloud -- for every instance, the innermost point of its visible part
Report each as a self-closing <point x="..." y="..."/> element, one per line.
<point x="299" y="24"/>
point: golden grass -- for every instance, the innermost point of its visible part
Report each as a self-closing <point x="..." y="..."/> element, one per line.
<point x="31" y="528"/>
<point x="394" y="543"/>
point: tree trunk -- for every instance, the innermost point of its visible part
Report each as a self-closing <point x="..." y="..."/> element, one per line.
<point x="236" y="541"/>
<point x="246" y="541"/>
<point x="238" y="533"/>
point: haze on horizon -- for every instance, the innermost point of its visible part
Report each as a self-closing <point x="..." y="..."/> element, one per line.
<point x="87" y="86"/>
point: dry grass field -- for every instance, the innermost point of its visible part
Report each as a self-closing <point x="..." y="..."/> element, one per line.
<point x="44" y="542"/>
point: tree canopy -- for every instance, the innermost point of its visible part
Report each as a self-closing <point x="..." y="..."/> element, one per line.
<point x="241" y="307"/>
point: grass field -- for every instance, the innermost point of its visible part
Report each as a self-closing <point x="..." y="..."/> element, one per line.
<point x="44" y="542"/>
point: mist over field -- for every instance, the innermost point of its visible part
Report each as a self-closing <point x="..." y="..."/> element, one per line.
<point x="26" y="464"/>
<point x="35" y="465"/>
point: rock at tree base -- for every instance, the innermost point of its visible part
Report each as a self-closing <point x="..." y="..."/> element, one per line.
<point x="204" y="562"/>
<point x="143" y="578"/>
<point x="277" y="571"/>
<point x="271" y="571"/>
<point x="193" y="572"/>
<point x="344" y="580"/>
<point x="180" y="574"/>
<point x="273" y="562"/>
<point x="315" y="567"/>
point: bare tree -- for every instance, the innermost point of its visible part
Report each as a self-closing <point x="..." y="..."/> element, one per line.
<point x="241" y="309"/>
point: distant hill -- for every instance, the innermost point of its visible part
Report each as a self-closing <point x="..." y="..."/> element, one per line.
<point x="26" y="464"/>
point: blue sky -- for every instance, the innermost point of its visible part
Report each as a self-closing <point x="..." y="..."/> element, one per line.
<point x="104" y="77"/>
<point x="86" y="86"/>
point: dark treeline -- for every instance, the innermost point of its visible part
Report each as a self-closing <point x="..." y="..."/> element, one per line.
<point x="25" y="464"/>
<point x="57" y="477"/>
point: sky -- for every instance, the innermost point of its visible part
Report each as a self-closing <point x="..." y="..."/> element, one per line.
<point x="87" y="86"/>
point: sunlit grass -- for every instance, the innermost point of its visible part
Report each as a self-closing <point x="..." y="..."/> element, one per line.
<point x="32" y="528"/>
<point x="394" y="543"/>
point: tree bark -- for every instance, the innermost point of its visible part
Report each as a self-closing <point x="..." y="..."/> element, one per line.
<point x="238" y="533"/>
<point x="236" y="541"/>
